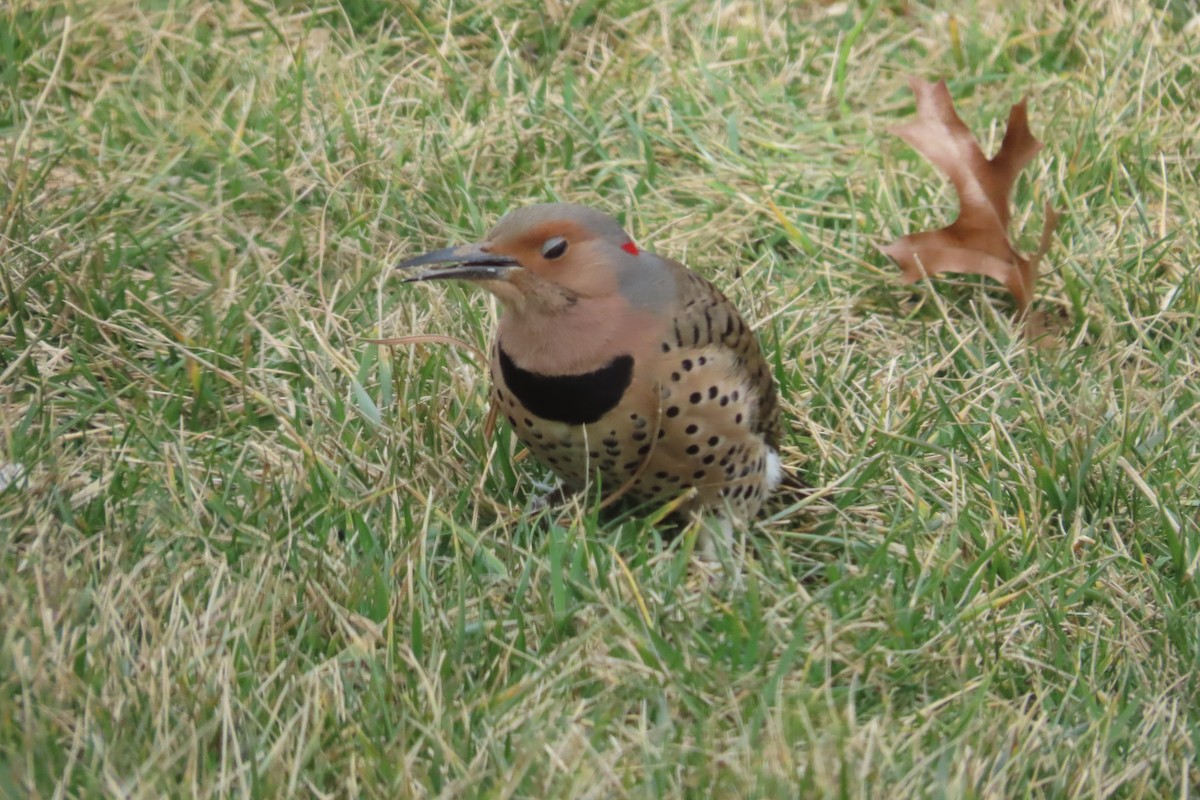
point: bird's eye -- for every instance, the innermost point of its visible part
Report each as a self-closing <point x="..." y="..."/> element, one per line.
<point x="553" y="248"/>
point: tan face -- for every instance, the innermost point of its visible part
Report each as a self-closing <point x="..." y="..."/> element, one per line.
<point x="563" y="254"/>
<point x="546" y="259"/>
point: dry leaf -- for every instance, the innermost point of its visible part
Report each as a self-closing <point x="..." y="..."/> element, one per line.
<point x="977" y="242"/>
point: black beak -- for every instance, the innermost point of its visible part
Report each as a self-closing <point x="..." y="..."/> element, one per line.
<point x="468" y="262"/>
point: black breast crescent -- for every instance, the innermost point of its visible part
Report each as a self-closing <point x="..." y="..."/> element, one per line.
<point x="573" y="399"/>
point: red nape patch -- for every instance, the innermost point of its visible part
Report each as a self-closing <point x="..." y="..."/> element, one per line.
<point x="631" y="248"/>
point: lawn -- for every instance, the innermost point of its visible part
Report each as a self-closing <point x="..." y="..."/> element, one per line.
<point x="244" y="551"/>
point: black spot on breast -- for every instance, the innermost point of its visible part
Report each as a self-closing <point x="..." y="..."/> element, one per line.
<point x="573" y="399"/>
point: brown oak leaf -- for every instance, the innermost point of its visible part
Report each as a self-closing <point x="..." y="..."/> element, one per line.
<point x="977" y="242"/>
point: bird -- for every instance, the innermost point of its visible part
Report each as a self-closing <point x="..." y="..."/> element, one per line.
<point x="619" y="368"/>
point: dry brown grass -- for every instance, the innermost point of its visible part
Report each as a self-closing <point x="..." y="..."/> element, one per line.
<point x="245" y="552"/>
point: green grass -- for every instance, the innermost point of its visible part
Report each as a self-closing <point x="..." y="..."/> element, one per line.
<point x="245" y="552"/>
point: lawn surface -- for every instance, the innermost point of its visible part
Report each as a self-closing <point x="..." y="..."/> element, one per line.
<point x="244" y="551"/>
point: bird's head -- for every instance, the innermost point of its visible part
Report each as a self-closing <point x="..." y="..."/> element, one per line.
<point x="547" y="259"/>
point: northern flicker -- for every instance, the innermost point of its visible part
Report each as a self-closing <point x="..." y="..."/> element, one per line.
<point x="617" y="365"/>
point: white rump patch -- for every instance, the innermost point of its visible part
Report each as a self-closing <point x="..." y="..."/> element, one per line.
<point x="774" y="469"/>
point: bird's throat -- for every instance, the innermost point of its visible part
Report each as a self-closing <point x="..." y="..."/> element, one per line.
<point x="574" y="399"/>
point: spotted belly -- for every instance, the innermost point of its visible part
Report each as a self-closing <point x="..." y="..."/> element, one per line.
<point x="690" y="433"/>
